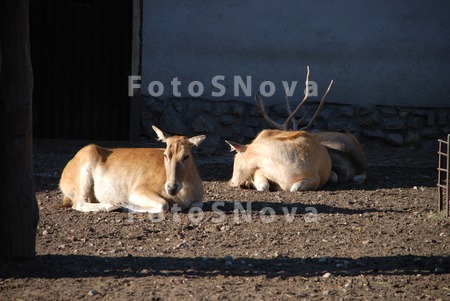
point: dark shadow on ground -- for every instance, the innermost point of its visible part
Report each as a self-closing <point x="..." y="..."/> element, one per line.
<point x="232" y="207"/>
<point x="81" y="266"/>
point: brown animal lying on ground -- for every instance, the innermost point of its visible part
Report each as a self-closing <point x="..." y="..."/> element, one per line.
<point x="348" y="160"/>
<point x="138" y="179"/>
<point x="290" y="161"/>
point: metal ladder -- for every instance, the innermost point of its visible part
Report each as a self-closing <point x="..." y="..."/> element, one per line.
<point x="443" y="175"/>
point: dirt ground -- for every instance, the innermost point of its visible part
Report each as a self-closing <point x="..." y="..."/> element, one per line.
<point x="380" y="240"/>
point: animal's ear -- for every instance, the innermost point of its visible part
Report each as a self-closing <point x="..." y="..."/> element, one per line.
<point x="161" y="135"/>
<point x="197" y="140"/>
<point x="236" y="147"/>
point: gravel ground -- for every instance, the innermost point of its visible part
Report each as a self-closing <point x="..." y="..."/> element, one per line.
<point x="380" y="240"/>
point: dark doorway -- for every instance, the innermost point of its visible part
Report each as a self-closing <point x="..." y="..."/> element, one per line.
<point x="81" y="56"/>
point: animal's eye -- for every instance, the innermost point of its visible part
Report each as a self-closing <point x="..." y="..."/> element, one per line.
<point x="165" y="156"/>
<point x="185" y="157"/>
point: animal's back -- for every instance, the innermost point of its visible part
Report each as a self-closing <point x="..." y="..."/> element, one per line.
<point x="110" y="173"/>
<point x="125" y="168"/>
<point x="278" y="135"/>
<point x="287" y="146"/>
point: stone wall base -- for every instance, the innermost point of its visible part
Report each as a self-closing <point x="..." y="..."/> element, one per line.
<point x="241" y="122"/>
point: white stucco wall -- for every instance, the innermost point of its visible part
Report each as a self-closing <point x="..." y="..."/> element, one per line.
<point x="378" y="52"/>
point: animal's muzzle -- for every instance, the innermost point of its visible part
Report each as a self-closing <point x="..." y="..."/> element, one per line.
<point x="172" y="189"/>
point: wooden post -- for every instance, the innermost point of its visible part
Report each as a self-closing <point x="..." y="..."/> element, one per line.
<point x="18" y="208"/>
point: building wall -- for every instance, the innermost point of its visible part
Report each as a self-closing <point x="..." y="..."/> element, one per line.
<point x="390" y="62"/>
<point x="378" y="52"/>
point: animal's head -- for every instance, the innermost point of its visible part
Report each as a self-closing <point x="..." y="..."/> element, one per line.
<point x="178" y="160"/>
<point x="242" y="167"/>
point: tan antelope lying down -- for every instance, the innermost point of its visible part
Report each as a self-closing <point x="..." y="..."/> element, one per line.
<point x="138" y="179"/>
<point x="291" y="161"/>
<point x="348" y="159"/>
